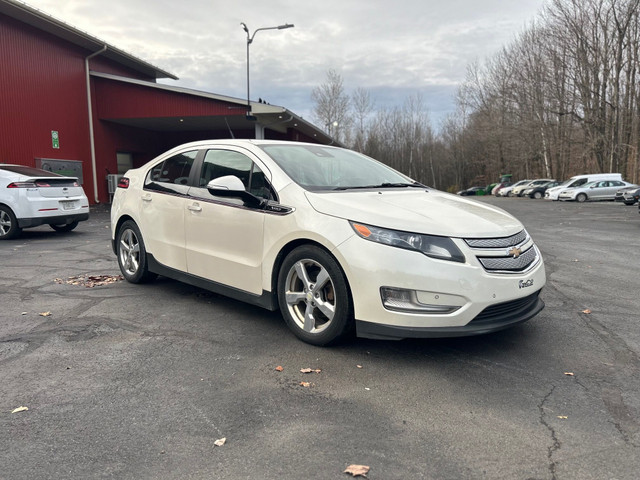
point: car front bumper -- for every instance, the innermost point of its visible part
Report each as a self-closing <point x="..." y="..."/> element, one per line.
<point x="491" y="319"/>
<point x="484" y="301"/>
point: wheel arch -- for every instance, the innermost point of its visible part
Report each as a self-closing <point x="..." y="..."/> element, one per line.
<point x="115" y="231"/>
<point x="292" y="245"/>
<point x="6" y="205"/>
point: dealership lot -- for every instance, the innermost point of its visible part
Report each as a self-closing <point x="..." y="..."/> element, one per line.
<point x="139" y="381"/>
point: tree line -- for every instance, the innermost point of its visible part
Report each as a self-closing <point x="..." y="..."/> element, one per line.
<point x="563" y="98"/>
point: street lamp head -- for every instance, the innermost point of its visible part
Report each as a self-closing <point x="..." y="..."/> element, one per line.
<point x="286" y="25"/>
<point x="244" y="27"/>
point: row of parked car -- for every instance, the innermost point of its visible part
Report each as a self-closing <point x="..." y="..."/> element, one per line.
<point x="581" y="188"/>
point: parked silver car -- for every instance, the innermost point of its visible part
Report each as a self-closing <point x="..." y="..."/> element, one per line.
<point x="601" y="190"/>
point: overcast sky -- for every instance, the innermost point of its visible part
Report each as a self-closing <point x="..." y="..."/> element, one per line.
<point x="393" y="48"/>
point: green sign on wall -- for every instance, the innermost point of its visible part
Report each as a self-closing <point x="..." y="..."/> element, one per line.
<point x="55" y="139"/>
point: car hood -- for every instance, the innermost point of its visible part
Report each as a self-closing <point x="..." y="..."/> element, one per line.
<point x="420" y="211"/>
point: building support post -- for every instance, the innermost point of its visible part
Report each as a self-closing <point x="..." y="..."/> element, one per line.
<point x="90" y="110"/>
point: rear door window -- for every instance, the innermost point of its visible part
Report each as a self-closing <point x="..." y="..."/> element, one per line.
<point x="172" y="174"/>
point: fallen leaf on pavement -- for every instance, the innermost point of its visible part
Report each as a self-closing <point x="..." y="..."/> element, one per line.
<point x="562" y="417"/>
<point x="279" y="368"/>
<point x="91" y="281"/>
<point x="357" y="470"/>
<point x="309" y="370"/>
<point x="587" y="311"/>
<point x="19" y="409"/>
<point x="45" y="314"/>
<point x="359" y="366"/>
<point x="305" y="384"/>
<point x="569" y="374"/>
<point x="220" y="442"/>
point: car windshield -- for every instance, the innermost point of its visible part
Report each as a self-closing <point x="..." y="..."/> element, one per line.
<point x="321" y="167"/>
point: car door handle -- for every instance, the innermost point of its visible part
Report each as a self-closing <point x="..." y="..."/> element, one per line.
<point x="195" y="208"/>
<point x="146" y="197"/>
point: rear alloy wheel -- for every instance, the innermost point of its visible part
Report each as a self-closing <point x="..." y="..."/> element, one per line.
<point x="132" y="256"/>
<point x="537" y="195"/>
<point x="65" y="228"/>
<point x="581" y="197"/>
<point x="8" y="224"/>
<point x="313" y="296"/>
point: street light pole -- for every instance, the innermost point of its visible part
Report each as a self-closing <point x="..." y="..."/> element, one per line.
<point x="249" y="42"/>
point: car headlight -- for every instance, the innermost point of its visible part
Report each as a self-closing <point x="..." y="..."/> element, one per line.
<point x="442" y="248"/>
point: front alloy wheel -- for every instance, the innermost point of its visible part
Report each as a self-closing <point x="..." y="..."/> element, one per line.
<point x="313" y="296"/>
<point x="132" y="256"/>
<point x="582" y="197"/>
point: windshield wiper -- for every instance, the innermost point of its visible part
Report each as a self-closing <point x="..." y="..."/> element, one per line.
<point x="383" y="185"/>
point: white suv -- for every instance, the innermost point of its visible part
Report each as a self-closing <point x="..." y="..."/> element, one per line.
<point x="336" y="240"/>
<point x="30" y="197"/>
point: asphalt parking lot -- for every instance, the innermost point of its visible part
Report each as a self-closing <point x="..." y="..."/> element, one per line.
<point x="139" y="381"/>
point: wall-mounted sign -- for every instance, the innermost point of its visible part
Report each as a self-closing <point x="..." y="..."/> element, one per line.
<point x="55" y="139"/>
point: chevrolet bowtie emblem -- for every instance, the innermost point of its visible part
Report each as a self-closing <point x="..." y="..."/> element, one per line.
<point x="515" y="252"/>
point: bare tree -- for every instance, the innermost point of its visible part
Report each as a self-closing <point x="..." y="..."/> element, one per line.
<point x="363" y="106"/>
<point x="331" y="107"/>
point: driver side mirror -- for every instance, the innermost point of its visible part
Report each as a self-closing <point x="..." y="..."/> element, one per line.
<point x="232" y="186"/>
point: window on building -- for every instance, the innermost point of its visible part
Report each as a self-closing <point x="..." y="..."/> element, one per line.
<point x="125" y="162"/>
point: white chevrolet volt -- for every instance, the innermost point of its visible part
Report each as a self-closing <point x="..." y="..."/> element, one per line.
<point x="337" y="241"/>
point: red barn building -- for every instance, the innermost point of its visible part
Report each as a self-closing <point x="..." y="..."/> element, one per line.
<point x="71" y="103"/>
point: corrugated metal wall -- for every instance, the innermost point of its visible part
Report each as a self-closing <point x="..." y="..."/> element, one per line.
<point x="122" y="100"/>
<point x="41" y="89"/>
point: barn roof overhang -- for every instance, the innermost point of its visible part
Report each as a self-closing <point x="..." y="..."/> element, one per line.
<point x="273" y="117"/>
<point x="42" y="21"/>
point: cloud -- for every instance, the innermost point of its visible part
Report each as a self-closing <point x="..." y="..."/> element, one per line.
<point x="394" y="49"/>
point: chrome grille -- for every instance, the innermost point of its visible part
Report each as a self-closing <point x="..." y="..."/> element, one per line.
<point x="510" y="264"/>
<point x="503" y="242"/>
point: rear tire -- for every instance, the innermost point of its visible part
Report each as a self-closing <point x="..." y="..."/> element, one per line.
<point x="65" y="228"/>
<point x="314" y="297"/>
<point x="537" y="195"/>
<point x="8" y="224"/>
<point x="132" y="255"/>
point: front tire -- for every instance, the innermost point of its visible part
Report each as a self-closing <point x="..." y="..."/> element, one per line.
<point x="8" y="224"/>
<point x="581" y="197"/>
<point x="132" y="255"/>
<point x="314" y="297"/>
<point x="537" y="195"/>
<point x="65" y="228"/>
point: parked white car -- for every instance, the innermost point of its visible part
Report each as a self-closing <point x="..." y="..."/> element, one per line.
<point x="507" y="191"/>
<point x="332" y="238"/>
<point x="601" y="190"/>
<point x="519" y="190"/>
<point x="30" y="197"/>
